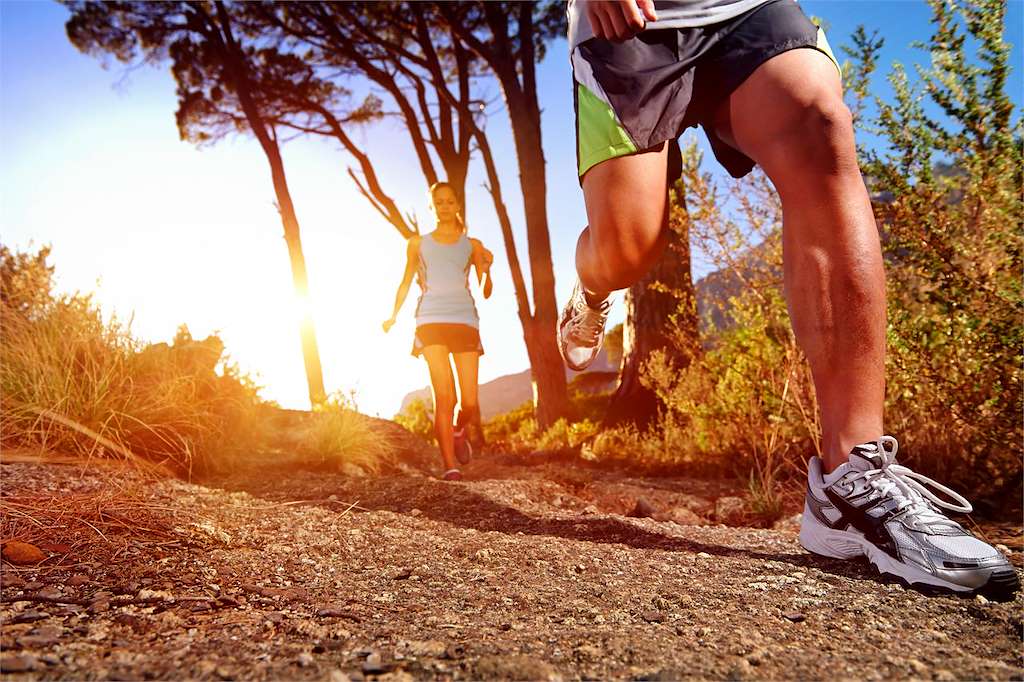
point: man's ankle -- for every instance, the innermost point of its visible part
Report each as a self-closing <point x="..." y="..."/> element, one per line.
<point x="595" y="299"/>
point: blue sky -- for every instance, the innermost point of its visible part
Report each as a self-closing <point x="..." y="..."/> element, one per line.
<point x="166" y="234"/>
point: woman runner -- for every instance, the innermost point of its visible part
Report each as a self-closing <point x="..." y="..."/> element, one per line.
<point x="446" y="318"/>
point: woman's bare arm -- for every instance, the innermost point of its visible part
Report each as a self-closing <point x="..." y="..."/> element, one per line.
<point x="482" y="260"/>
<point x="412" y="257"/>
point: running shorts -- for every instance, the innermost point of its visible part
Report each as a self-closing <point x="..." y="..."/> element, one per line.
<point x="632" y="97"/>
<point x="457" y="338"/>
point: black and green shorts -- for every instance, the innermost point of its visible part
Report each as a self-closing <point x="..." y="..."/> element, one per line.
<point x="633" y="96"/>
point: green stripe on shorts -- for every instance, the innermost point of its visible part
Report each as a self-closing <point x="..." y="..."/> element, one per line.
<point x="601" y="137"/>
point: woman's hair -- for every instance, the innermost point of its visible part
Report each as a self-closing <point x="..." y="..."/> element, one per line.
<point x="441" y="185"/>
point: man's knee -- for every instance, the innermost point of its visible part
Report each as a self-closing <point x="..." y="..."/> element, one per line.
<point x="819" y="133"/>
<point x="629" y="247"/>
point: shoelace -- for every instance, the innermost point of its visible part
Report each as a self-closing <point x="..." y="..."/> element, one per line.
<point x="588" y="323"/>
<point x="908" y="486"/>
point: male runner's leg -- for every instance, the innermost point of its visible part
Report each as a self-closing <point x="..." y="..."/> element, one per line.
<point x="789" y="117"/>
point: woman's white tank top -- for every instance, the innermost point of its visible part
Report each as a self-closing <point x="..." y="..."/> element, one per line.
<point x="443" y="275"/>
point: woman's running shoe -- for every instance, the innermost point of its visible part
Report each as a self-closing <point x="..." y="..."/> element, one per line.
<point x="452" y="475"/>
<point x="581" y="330"/>
<point x="463" y="447"/>
<point x="871" y="506"/>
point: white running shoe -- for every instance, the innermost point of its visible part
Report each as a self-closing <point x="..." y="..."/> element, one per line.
<point x="874" y="507"/>
<point x="581" y="330"/>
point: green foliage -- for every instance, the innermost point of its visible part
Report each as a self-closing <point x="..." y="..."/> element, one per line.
<point x="418" y="418"/>
<point x="613" y="345"/>
<point x="950" y="211"/>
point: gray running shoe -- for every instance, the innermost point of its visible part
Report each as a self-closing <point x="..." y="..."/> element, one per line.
<point x="581" y="330"/>
<point x="871" y="506"/>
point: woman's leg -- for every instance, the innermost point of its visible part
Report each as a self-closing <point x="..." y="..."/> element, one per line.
<point x="443" y="384"/>
<point x="467" y="366"/>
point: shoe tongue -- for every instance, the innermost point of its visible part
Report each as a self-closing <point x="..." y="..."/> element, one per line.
<point x="865" y="457"/>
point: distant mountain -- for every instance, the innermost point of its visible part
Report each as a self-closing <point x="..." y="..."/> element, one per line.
<point x="508" y="392"/>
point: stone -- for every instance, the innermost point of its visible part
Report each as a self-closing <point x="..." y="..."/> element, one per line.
<point x="18" y="663"/>
<point x="794" y="617"/>
<point x="515" y="667"/>
<point x="50" y="592"/>
<point x="684" y="517"/>
<point x="653" y="616"/>
<point x="373" y="665"/>
<point x="33" y="585"/>
<point x="729" y="508"/>
<point x="11" y="581"/>
<point x="402" y="574"/>
<point x="29" y="617"/>
<point x="22" y="553"/>
<point x="77" y="580"/>
<point x="305" y="659"/>
<point x="643" y="509"/>
<point x="338" y="676"/>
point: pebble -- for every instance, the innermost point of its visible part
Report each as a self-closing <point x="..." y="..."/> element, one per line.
<point x="18" y="663"/>
<point x="412" y="512"/>
<point x="795" y="617"/>
<point x="50" y="593"/>
<point x="12" y="581"/>
<point x="703" y="555"/>
<point x="980" y="599"/>
<point x="34" y="585"/>
<point x="29" y="617"/>
<point x="653" y="616"/>
<point x="917" y="666"/>
<point x="373" y="664"/>
<point x="77" y="580"/>
<point x="338" y="676"/>
<point x="305" y="659"/>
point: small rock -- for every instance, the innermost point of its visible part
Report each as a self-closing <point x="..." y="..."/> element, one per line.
<point x="703" y="555"/>
<point x="22" y="553"/>
<point x="305" y="659"/>
<point x="729" y="508"/>
<point x="980" y="599"/>
<point x="741" y="671"/>
<point x="50" y="659"/>
<point x="402" y="574"/>
<point x="332" y="611"/>
<point x="29" y="617"/>
<point x="918" y="667"/>
<point x="338" y="676"/>
<point x="77" y="580"/>
<point x="590" y="510"/>
<point x="412" y="512"/>
<point x="223" y="673"/>
<point x="99" y="606"/>
<point x="51" y="592"/>
<point x="277" y="617"/>
<point x="18" y="663"/>
<point x="643" y="509"/>
<point x="373" y="664"/>
<point x="482" y="554"/>
<point x="795" y="617"/>
<point x="11" y="581"/>
<point x="37" y="641"/>
<point x="200" y="606"/>
<point x="515" y="667"/>
<point x="33" y="585"/>
<point x="653" y="616"/>
<point x="684" y="517"/>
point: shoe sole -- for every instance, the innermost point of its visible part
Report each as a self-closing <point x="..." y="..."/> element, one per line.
<point x="1001" y="585"/>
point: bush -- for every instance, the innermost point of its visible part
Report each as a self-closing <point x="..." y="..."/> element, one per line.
<point x="76" y="384"/>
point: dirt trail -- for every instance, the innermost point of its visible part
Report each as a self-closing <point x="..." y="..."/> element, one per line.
<point x="518" y="573"/>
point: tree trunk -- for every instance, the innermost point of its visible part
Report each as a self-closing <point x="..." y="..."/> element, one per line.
<point x="551" y="396"/>
<point x="300" y="282"/>
<point x="661" y="314"/>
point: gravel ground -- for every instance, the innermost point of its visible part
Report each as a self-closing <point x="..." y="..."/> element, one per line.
<point x="518" y="573"/>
